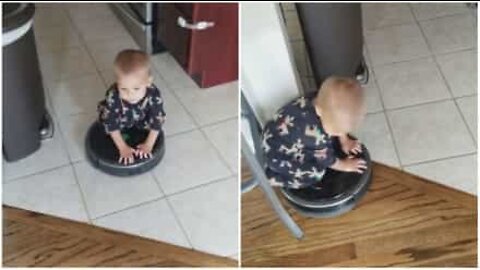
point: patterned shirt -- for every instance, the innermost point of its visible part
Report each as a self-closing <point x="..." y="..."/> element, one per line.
<point x="117" y="114"/>
<point x="297" y="149"/>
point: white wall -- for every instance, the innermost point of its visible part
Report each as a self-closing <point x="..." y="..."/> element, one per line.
<point x="268" y="77"/>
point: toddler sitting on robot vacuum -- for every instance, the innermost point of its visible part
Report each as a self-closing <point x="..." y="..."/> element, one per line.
<point x="132" y="101"/>
<point x="298" y="142"/>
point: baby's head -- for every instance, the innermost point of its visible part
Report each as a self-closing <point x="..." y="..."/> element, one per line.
<point x="340" y="103"/>
<point x="132" y="71"/>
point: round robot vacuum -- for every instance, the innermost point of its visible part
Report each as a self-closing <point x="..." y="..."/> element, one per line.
<point x="103" y="154"/>
<point x="337" y="192"/>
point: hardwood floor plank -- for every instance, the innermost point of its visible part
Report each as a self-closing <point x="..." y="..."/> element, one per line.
<point x="403" y="220"/>
<point x="33" y="239"/>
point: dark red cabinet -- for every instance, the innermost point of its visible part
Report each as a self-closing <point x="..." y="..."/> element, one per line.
<point x="209" y="56"/>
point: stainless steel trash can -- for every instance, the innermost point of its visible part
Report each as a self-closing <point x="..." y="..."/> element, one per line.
<point x="333" y="37"/>
<point x="24" y="112"/>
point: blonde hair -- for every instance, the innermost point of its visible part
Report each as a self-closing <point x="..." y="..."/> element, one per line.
<point x="340" y="101"/>
<point x="131" y="61"/>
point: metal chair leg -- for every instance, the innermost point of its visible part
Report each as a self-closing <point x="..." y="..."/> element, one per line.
<point x="259" y="175"/>
<point x="249" y="185"/>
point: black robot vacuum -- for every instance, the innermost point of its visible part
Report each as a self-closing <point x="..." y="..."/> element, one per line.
<point x="103" y="154"/>
<point x="337" y="192"/>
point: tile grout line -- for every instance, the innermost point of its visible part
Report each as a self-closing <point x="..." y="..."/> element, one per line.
<point x="423" y="103"/>
<point x="184" y="105"/>
<point x="82" y="43"/>
<point x="71" y="162"/>
<point x="368" y="60"/>
<point x="444" y="79"/>
<point x="53" y="113"/>
<point x="82" y="194"/>
<point x="395" y="147"/>
<point x="174" y="95"/>
<point x="180" y="224"/>
<point x="474" y="49"/>
<point x="219" y="122"/>
<point x="390" y="25"/>
<point x="170" y="87"/>
<point x="391" y="63"/>
<point x="130" y="207"/>
<point x="419" y="104"/>
<point x="199" y="127"/>
<point x="211" y="182"/>
<point x="225" y="163"/>
<point x="164" y="195"/>
<point x="190" y="130"/>
<point x="375" y="112"/>
<point x="419" y="22"/>
<point x="53" y="25"/>
<point x="471" y="132"/>
<point x="415" y="19"/>
<point x="440" y="159"/>
<point x="430" y="55"/>
<point x="36" y="173"/>
<point x="217" y="151"/>
<point x="467" y="96"/>
<point x="437" y="17"/>
<point x="167" y="199"/>
<point x="170" y="206"/>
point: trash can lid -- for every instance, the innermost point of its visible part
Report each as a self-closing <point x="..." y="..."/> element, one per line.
<point x="17" y="20"/>
<point x="15" y="15"/>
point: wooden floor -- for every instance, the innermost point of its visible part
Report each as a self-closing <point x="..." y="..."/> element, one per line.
<point x="402" y="221"/>
<point x="32" y="239"/>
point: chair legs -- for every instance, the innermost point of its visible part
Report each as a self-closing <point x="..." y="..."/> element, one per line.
<point x="249" y="185"/>
<point x="260" y="178"/>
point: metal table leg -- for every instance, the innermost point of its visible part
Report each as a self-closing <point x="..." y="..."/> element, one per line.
<point x="259" y="175"/>
<point x="249" y="185"/>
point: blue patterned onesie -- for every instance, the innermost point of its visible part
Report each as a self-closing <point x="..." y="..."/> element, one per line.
<point x="116" y="114"/>
<point x="296" y="147"/>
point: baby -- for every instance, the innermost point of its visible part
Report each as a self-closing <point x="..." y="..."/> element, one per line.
<point x="298" y="142"/>
<point x="133" y="101"/>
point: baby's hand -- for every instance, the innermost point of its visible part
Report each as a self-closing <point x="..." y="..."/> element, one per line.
<point x="352" y="165"/>
<point x="126" y="155"/>
<point x="350" y="146"/>
<point x="144" y="150"/>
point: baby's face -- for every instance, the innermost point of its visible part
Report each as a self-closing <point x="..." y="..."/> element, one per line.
<point x="133" y="87"/>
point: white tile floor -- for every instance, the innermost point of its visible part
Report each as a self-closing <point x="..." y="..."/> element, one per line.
<point x="424" y="64"/>
<point x="426" y="73"/>
<point x="422" y="93"/>
<point x="190" y="199"/>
